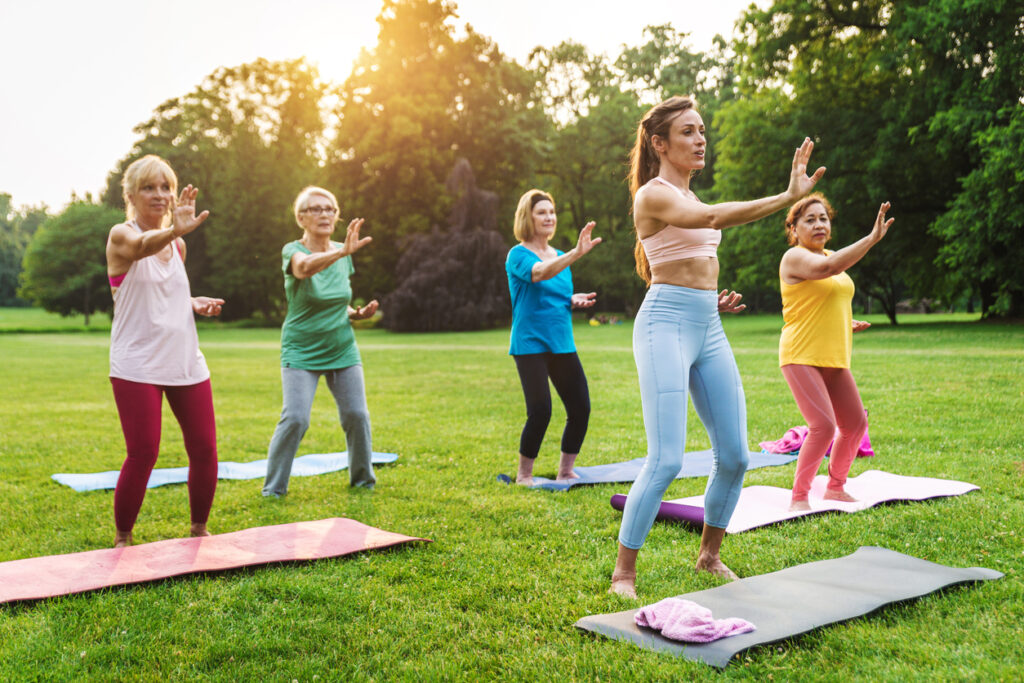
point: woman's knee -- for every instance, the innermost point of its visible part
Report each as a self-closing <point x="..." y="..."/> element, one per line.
<point x="733" y="461"/>
<point x="354" y="419"/>
<point x="294" y="421"/>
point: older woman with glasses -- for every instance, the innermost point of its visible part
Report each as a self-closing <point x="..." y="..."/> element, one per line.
<point x="317" y="340"/>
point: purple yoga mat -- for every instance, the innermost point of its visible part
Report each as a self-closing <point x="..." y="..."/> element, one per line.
<point x="763" y="505"/>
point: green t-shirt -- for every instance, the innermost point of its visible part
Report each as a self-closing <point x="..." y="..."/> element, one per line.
<point x="317" y="334"/>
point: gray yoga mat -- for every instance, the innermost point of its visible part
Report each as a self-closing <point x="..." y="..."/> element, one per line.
<point x="796" y="600"/>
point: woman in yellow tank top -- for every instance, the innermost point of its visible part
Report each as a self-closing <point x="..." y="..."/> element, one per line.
<point x="814" y="350"/>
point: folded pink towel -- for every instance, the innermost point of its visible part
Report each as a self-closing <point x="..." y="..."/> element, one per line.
<point x="795" y="436"/>
<point x="689" y="622"/>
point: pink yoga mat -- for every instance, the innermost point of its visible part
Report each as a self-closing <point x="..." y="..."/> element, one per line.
<point x="763" y="505"/>
<point x="44" y="577"/>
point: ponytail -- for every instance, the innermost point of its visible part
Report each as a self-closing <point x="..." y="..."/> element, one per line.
<point x="644" y="163"/>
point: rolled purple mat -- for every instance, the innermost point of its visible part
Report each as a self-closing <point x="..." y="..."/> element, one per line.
<point x="691" y="515"/>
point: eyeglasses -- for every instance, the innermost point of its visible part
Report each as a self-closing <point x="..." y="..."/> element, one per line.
<point x="317" y="210"/>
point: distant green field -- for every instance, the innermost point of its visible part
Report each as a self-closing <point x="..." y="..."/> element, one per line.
<point x="509" y="570"/>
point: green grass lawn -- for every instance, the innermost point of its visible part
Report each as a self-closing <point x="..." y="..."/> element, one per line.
<point x="509" y="570"/>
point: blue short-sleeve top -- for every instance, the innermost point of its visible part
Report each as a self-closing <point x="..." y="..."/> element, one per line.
<point x="541" y="311"/>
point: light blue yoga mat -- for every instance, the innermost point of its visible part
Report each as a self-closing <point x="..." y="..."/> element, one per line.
<point x="696" y="464"/>
<point x="303" y="466"/>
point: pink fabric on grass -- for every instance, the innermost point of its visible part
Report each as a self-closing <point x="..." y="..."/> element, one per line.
<point x="686" y="621"/>
<point x="794" y="438"/>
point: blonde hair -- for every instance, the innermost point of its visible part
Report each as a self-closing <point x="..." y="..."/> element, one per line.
<point x="798" y="209"/>
<point x="142" y="171"/>
<point x="644" y="162"/>
<point x="522" y="226"/>
<point x="302" y="201"/>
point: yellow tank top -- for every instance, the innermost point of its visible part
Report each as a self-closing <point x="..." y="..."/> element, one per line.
<point x="817" y="322"/>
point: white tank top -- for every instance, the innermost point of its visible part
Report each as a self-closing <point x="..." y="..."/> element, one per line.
<point x="153" y="336"/>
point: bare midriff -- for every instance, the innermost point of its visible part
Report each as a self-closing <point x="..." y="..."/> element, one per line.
<point x="699" y="272"/>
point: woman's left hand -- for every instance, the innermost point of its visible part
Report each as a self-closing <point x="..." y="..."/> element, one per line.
<point x="204" y="305"/>
<point x="363" y="313"/>
<point x="729" y="302"/>
<point x="581" y="300"/>
<point x="353" y="243"/>
<point x="860" y="325"/>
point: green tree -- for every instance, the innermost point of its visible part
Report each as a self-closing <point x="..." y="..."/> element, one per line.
<point x="250" y="138"/>
<point x="16" y="230"/>
<point x="65" y="266"/>
<point x="902" y="98"/>
<point x="414" y="104"/>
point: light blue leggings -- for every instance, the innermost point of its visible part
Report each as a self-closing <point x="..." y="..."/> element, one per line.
<point x="680" y="346"/>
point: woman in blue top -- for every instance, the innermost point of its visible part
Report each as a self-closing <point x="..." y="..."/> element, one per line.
<point x="542" y="345"/>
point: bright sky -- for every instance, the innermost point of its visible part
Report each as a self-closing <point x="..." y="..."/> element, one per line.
<point x="78" y="75"/>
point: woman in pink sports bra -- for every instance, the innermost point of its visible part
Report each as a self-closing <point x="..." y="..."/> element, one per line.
<point x="154" y="349"/>
<point x="678" y="342"/>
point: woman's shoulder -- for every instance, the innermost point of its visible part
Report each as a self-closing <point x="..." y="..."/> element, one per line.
<point x="294" y="246"/>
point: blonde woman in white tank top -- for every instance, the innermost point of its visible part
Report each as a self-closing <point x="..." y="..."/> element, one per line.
<point x="154" y="349"/>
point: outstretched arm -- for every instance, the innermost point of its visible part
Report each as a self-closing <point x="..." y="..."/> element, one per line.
<point x="125" y="245"/>
<point x="308" y="265"/>
<point x="665" y="205"/>
<point x="545" y="270"/>
<point x="801" y="264"/>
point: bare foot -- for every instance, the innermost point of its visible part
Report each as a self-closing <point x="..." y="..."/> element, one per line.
<point x="524" y="481"/>
<point x="840" y="495"/>
<point x="198" y="530"/>
<point x="123" y="539"/>
<point x="565" y="465"/>
<point x="624" y="585"/>
<point x="714" y="565"/>
<point x="799" y="506"/>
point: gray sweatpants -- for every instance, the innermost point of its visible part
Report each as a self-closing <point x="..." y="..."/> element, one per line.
<point x="299" y="388"/>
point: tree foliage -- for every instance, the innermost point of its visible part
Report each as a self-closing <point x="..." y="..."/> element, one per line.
<point x="900" y="97"/>
<point x="250" y="138"/>
<point x="422" y="98"/>
<point x="16" y="230"/>
<point x="65" y="266"/>
<point x="454" y="280"/>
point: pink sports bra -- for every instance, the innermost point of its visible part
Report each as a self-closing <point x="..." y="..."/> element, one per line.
<point x="672" y="243"/>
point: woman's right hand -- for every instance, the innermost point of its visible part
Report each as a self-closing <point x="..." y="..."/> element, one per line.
<point x="799" y="182"/>
<point x="881" y="225"/>
<point x="585" y="243"/>
<point x="352" y="241"/>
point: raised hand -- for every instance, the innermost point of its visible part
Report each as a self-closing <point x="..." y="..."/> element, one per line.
<point x="799" y="182"/>
<point x="729" y="302"/>
<point x="365" y="312"/>
<point x="584" y="300"/>
<point x="185" y="218"/>
<point x="881" y="225"/>
<point x="208" y="306"/>
<point x="352" y="241"/>
<point x="585" y="243"/>
<point x="860" y="325"/>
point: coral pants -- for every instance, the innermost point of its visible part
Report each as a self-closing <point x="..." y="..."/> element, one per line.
<point x="828" y="399"/>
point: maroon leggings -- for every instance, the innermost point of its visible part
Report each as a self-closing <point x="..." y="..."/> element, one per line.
<point x="138" y="406"/>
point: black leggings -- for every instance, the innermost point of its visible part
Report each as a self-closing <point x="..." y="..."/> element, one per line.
<point x="566" y="374"/>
